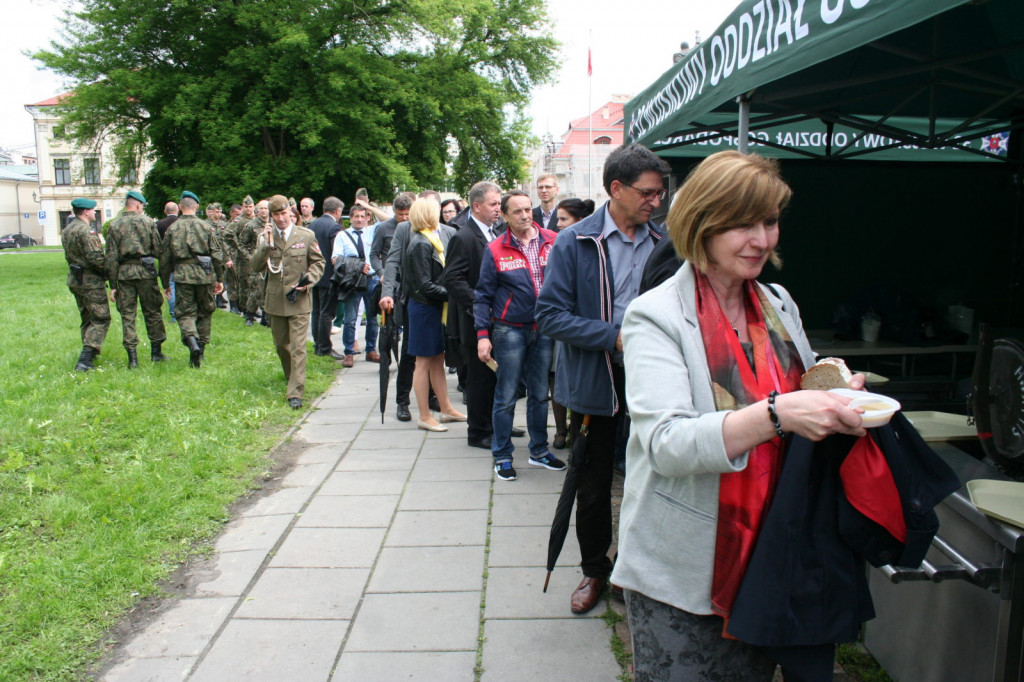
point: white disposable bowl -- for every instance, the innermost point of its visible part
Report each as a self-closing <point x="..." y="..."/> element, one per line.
<point x="870" y="418"/>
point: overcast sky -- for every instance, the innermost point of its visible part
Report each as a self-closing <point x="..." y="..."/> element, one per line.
<point x="631" y="42"/>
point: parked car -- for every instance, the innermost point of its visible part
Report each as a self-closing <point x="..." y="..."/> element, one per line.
<point x="16" y="241"/>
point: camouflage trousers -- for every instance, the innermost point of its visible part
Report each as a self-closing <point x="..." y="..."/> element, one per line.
<point x="231" y="281"/>
<point x="194" y="310"/>
<point x="254" y="292"/>
<point x="130" y="294"/>
<point x="95" y="313"/>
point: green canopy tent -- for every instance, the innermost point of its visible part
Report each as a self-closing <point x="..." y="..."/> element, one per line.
<point x="935" y="75"/>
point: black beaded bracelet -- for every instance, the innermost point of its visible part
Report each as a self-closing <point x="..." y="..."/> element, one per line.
<point x="773" y="415"/>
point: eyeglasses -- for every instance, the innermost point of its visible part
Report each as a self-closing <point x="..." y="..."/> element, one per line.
<point x="546" y="186"/>
<point x="650" y="194"/>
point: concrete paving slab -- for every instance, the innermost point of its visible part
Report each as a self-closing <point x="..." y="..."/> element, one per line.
<point x="280" y="501"/>
<point x="428" y="569"/>
<point x="452" y="469"/>
<point x="355" y="414"/>
<point x="454" y="666"/>
<point x="389" y="440"/>
<point x="438" y="528"/>
<point x="321" y="452"/>
<point x="329" y="548"/>
<point x="449" y="448"/>
<point x="305" y="593"/>
<point x="163" y="669"/>
<point x="441" y="621"/>
<point x="446" y="495"/>
<point x="528" y="546"/>
<point x="347" y="395"/>
<point x="182" y="630"/>
<point x="518" y="593"/>
<point x="378" y="460"/>
<point x="231" y="573"/>
<point x="273" y="650"/>
<point x="307" y="475"/>
<point x="349" y="511"/>
<point x="365" y="483"/>
<point x="253" y="532"/>
<point x="543" y="650"/>
<point x="328" y="433"/>
<point x="523" y="510"/>
<point x="531" y="480"/>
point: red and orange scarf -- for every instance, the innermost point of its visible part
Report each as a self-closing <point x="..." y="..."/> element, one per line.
<point x="744" y="496"/>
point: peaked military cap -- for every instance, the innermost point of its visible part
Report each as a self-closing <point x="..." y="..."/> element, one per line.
<point x="247" y="201"/>
<point x="278" y="203"/>
<point x="83" y="203"/>
<point x="134" y="194"/>
<point x="217" y="206"/>
<point x="189" y="195"/>
<point x="291" y="201"/>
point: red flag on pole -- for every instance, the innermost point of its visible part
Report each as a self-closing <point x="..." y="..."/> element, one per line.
<point x="590" y="65"/>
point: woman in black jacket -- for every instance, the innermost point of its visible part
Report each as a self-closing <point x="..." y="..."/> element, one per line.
<point x="428" y="303"/>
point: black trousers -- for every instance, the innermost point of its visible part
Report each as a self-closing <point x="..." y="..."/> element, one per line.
<point x="594" y="495"/>
<point x="480" y="382"/>
<point x="406" y="365"/>
<point x="324" y="306"/>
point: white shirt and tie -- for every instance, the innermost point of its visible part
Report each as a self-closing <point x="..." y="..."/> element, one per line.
<point x="353" y="242"/>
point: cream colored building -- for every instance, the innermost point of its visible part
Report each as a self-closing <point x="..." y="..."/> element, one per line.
<point x="67" y="171"/>
<point x="19" y="209"/>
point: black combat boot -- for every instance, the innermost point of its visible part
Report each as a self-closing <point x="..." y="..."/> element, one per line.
<point x="133" y="358"/>
<point x="195" y="353"/>
<point x="265" y="319"/>
<point x="202" y="350"/>
<point x="84" y="363"/>
<point x="234" y="308"/>
<point x="248" y="319"/>
<point x="155" y="353"/>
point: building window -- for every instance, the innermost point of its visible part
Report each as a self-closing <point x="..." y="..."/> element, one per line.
<point x="91" y="167"/>
<point x="58" y="132"/>
<point x="131" y="177"/>
<point x="63" y="218"/>
<point x="603" y="140"/>
<point x="62" y="171"/>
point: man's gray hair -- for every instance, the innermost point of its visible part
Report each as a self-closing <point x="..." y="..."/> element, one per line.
<point x="332" y="204"/>
<point x="403" y="201"/>
<point x="480" y="190"/>
<point x="430" y="193"/>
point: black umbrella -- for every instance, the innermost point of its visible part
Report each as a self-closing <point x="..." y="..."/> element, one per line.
<point x="388" y="346"/>
<point x="563" y="510"/>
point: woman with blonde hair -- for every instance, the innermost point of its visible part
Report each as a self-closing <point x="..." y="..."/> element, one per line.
<point x="713" y="360"/>
<point x="428" y="305"/>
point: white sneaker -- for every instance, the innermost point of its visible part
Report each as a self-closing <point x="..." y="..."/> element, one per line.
<point x="335" y="330"/>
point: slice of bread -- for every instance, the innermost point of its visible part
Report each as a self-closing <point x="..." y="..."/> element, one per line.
<point x="828" y="373"/>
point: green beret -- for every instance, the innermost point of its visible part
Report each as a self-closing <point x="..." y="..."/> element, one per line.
<point x="247" y="201"/>
<point x="278" y="203"/>
<point x="189" y="195"/>
<point x="83" y="203"/>
<point x="134" y="194"/>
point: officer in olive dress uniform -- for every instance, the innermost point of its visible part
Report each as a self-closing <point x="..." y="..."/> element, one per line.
<point x="133" y="247"/>
<point x="192" y="252"/>
<point x="87" y="279"/>
<point x="288" y="253"/>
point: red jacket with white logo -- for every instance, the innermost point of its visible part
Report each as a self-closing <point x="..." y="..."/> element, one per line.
<point x="505" y="291"/>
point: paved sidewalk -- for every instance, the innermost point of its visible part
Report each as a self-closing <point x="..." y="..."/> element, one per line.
<point x="386" y="554"/>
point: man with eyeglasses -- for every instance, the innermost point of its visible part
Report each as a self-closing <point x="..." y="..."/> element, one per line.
<point x="545" y="214"/>
<point x="593" y="273"/>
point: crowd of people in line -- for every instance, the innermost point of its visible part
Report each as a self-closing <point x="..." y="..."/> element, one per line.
<point x="544" y="303"/>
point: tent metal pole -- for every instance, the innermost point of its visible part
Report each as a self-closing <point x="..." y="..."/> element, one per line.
<point x="742" y="131"/>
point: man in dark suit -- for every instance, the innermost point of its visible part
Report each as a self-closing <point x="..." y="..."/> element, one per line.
<point x="462" y="270"/>
<point x="545" y="214"/>
<point x="326" y="228"/>
<point x="171" y="214"/>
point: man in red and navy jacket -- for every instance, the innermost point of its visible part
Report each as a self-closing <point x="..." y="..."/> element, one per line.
<point x="511" y="275"/>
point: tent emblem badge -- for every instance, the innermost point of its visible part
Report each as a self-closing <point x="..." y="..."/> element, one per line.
<point x="996" y="144"/>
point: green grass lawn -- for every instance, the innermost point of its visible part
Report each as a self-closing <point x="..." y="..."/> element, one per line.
<point x="108" y="479"/>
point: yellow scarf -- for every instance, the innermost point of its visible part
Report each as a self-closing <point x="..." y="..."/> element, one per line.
<point x="431" y="236"/>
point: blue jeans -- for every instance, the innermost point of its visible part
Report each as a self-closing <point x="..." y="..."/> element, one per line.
<point x="173" y="299"/>
<point x="348" y="334"/>
<point x="522" y="354"/>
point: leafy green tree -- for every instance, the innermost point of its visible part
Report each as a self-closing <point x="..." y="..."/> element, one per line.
<point x="235" y="97"/>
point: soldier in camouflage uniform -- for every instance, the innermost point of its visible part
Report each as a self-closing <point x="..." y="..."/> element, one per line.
<point x="133" y="245"/>
<point x="241" y="268"/>
<point x="215" y="216"/>
<point x="254" y="286"/>
<point x="192" y="251"/>
<point x="306" y="217"/>
<point x="87" y="279"/>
